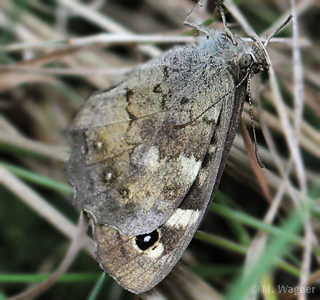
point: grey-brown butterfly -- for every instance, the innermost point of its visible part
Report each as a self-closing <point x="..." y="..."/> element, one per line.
<point x="148" y="153"/>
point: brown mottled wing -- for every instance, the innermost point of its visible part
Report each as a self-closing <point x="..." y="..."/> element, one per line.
<point x="140" y="270"/>
<point x="136" y="149"/>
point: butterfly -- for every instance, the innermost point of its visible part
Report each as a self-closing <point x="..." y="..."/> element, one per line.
<point x="147" y="154"/>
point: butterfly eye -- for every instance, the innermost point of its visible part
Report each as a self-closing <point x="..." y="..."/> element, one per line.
<point x="246" y="60"/>
<point x="145" y="241"/>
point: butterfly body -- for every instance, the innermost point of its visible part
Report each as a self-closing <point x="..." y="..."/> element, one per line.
<point x="148" y="154"/>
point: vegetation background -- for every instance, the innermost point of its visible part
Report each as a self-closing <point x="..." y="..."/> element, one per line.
<point x="48" y="68"/>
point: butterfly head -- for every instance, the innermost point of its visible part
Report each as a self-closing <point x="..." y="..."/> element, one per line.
<point x="242" y="58"/>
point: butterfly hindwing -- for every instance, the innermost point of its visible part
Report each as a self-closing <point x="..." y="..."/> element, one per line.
<point x="138" y="263"/>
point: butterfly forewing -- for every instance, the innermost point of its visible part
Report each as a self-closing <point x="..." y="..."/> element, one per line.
<point x="139" y="147"/>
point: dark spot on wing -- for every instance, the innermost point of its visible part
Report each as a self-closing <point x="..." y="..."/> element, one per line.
<point x="184" y="100"/>
<point x="130" y="114"/>
<point x="208" y="121"/>
<point x="214" y="139"/>
<point x="206" y="160"/>
<point x="170" y="190"/>
<point x="145" y="241"/>
<point x="85" y="146"/>
<point x="163" y="103"/>
<point x="129" y="95"/>
<point x="165" y="72"/>
<point x="157" y="89"/>
<point x="129" y="99"/>
<point x="218" y="121"/>
<point x="124" y="192"/>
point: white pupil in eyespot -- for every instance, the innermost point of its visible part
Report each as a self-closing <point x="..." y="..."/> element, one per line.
<point x="147" y="238"/>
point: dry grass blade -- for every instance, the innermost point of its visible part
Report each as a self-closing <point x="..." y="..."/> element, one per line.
<point x="288" y="130"/>
<point x="298" y="110"/>
<point x="277" y="99"/>
<point x="178" y="284"/>
<point x="70" y="72"/>
<point x="42" y="207"/>
<point x="277" y="159"/>
<point x="104" y="22"/>
<point x="259" y="172"/>
<point x="115" y="39"/>
<point x="31" y="146"/>
<point x="73" y="250"/>
<point x="302" y="7"/>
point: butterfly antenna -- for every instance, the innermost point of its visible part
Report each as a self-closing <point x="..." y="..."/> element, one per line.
<point x="227" y="30"/>
<point x="256" y="149"/>
<point x="277" y="30"/>
<point x="193" y="25"/>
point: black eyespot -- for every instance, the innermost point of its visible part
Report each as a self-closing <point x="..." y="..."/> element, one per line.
<point x="246" y="60"/>
<point x="145" y="241"/>
<point x="124" y="192"/>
